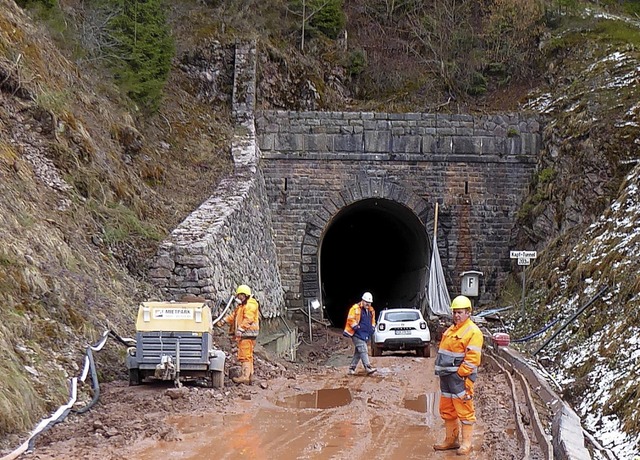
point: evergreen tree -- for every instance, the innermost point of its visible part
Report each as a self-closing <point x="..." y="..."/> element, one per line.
<point x="330" y="18"/>
<point x="145" y="50"/>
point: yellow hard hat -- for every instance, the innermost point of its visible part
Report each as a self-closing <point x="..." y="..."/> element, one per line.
<point x="243" y="289"/>
<point x="461" y="302"/>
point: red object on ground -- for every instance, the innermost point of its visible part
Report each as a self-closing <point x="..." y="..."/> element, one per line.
<point x="501" y="339"/>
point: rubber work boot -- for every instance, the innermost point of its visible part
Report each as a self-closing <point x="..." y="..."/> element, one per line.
<point x="451" y="437"/>
<point x="371" y="370"/>
<point x="246" y="374"/>
<point x="251" y="373"/>
<point x="467" y="437"/>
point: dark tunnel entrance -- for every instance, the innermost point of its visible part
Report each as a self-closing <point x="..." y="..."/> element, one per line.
<point x="374" y="245"/>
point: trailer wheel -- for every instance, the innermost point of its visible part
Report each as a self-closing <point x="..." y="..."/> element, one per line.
<point x="216" y="379"/>
<point x="134" y="377"/>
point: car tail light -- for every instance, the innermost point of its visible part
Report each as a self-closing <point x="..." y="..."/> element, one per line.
<point x="382" y="326"/>
<point x="423" y="325"/>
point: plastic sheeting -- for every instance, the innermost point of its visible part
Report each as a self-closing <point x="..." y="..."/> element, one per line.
<point x="437" y="294"/>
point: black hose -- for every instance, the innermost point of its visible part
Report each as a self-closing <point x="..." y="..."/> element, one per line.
<point x="571" y="319"/>
<point x="74" y="388"/>
<point x="535" y="334"/>
<point x="120" y="339"/>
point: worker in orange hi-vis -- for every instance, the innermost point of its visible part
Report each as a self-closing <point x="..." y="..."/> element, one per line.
<point x="361" y="322"/>
<point x="244" y="325"/>
<point x="457" y="366"/>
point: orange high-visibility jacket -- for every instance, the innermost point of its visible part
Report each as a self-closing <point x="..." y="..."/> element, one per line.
<point x="353" y="319"/>
<point x="460" y="350"/>
<point x="245" y="318"/>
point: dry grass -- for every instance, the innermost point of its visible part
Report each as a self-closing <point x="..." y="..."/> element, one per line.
<point x="20" y="404"/>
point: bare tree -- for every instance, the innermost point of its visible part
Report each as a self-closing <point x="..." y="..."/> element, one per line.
<point x="95" y="34"/>
<point x="386" y="10"/>
<point x="306" y="16"/>
<point x="443" y="39"/>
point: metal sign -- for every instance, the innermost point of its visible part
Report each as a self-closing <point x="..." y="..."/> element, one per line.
<point x="524" y="259"/>
<point x="523" y="255"/>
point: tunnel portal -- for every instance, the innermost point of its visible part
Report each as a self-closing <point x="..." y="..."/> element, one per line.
<point x="374" y="245"/>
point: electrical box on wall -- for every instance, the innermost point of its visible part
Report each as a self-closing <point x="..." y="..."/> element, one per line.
<point x="471" y="283"/>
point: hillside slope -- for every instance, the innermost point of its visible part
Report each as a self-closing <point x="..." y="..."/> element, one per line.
<point x="85" y="199"/>
<point x="582" y="215"/>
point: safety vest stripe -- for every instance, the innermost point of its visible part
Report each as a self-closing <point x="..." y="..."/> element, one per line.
<point x="450" y="353"/>
<point x="447" y="369"/>
<point x="474" y="348"/>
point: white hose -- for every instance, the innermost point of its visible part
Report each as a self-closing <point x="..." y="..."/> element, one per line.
<point x="224" y="312"/>
<point x="44" y="423"/>
<point x="73" y="394"/>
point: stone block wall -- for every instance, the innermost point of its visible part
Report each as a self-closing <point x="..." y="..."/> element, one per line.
<point x="397" y="136"/>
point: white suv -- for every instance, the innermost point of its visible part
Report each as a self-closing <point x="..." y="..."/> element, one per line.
<point x="401" y="329"/>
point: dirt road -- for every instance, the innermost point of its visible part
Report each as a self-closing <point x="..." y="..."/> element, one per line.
<point x="316" y="413"/>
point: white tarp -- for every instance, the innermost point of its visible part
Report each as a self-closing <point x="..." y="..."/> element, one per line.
<point x="437" y="294"/>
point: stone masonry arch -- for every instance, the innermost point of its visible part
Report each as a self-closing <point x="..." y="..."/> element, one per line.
<point x="370" y="236"/>
<point x="478" y="168"/>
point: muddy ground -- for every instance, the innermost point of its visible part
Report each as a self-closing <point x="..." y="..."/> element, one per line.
<point x="292" y="411"/>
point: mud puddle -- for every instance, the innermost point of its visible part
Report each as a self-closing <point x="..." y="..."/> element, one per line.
<point x="327" y="417"/>
<point x="320" y="399"/>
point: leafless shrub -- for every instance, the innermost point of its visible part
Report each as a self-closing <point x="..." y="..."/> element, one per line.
<point x="94" y="33"/>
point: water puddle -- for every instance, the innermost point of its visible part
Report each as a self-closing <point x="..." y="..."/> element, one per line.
<point x="321" y="399"/>
<point x="426" y="403"/>
<point x="419" y="404"/>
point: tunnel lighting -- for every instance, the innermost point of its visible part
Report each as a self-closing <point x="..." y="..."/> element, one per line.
<point x="313" y="304"/>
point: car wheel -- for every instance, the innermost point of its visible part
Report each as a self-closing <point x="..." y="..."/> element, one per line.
<point x="426" y="351"/>
<point x="420" y="352"/>
<point x="375" y="350"/>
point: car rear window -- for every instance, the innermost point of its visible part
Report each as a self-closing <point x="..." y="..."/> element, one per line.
<point x="399" y="316"/>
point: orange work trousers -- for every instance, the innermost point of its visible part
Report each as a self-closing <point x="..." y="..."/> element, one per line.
<point x="245" y="350"/>
<point x="456" y="399"/>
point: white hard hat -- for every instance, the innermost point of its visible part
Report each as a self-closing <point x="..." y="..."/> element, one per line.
<point x="367" y="297"/>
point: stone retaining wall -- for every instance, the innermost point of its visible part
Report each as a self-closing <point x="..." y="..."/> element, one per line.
<point x="228" y="240"/>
